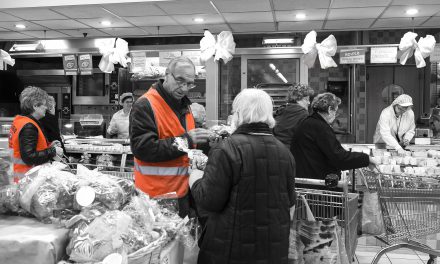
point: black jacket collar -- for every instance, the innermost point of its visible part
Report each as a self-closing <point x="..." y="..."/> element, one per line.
<point x="177" y="105"/>
<point x="253" y="128"/>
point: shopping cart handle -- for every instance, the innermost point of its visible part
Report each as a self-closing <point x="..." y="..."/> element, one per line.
<point x="341" y="184"/>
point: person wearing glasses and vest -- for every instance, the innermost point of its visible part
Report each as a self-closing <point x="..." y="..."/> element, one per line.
<point x="156" y="119"/>
<point x="396" y="125"/>
<point x="27" y="141"/>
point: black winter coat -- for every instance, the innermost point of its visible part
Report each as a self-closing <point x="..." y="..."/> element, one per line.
<point x="28" y="139"/>
<point x="248" y="188"/>
<point x="317" y="152"/>
<point x="286" y="122"/>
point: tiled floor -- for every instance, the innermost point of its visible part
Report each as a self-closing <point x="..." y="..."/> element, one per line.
<point x="365" y="255"/>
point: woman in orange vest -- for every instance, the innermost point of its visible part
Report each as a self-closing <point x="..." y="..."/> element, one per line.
<point x="27" y="141"/>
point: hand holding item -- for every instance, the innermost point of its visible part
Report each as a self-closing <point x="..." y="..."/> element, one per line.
<point x="55" y="143"/>
<point x="194" y="176"/>
<point x="405" y="142"/>
<point x="199" y="135"/>
<point x="59" y="151"/>
<point x="373" y="164"/>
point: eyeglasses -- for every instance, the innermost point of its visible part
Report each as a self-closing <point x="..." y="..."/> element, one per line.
<point x="182" y="82"/>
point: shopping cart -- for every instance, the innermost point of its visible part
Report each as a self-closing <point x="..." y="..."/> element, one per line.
<point x="410" y="208"/>
<point x="126" y="172"/>
<point x="328" y="205"/>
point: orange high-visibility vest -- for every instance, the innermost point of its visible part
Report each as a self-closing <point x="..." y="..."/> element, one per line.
<point x="158" y="178"/>
<point x="19" y="167"/>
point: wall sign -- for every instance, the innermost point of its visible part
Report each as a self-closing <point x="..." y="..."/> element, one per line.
<point x="352" y="56"/>
<point x="166" y="56"/>
<point x="70" y="64"/>
<point x="85" y="64"/>
<point x="138" y="61"/>
<point x="383" y="55"/>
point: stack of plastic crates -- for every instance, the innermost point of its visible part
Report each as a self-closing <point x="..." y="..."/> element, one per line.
<point x="410" y="207"/>
<point x="328" y="205"/>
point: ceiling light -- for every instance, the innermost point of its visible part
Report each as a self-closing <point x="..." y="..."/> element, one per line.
<point x="198" y="19"/>
<point x="412" y="11"/>
<point x="272" y="41"/>
<point x="21" y="26"/>
<point x="300" y="16"/>
<point x="106" y="23"/>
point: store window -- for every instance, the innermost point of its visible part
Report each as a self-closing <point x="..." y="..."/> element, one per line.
<point x="230" y="86"/>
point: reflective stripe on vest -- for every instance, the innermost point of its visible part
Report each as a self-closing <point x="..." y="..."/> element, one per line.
<point x="162" y="171"/>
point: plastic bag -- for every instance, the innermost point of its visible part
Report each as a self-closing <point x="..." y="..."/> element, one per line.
<point x="316" y="241"/>
<point x="9" y="199"/>
<point x="372" y="221"/>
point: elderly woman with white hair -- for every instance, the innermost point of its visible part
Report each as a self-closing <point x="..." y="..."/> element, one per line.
<point x="27" y="140"/>
<point x="248" y="188"/>
<point x="315" y="147"/>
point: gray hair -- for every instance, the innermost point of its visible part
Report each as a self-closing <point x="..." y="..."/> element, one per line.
<point x="298" y="91"/>
<point x="325" y="101"/>
<point x="50" y="102"/>
<point x="253" y="106"/>
<point x="179" y="60"/>
<point x="30" y="97"/>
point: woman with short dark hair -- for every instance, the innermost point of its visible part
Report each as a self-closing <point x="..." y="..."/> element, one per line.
<point x="295" y="111"/>
<point x="26" y="138"/>
<point x="316" y="150"/>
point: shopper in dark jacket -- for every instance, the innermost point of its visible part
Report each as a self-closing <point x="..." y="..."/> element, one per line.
<point x="50" y="124"/>
<point x="295" y="111"/>
<point x="248" y="188"/>
<point x="316" y="150"/>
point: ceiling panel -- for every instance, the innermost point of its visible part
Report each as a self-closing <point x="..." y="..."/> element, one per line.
<point x="311" y="14"/>
<point x="96" y="22"/>
<point x="355" y="13"/>
<point x="167" y="30"/>
<point x="243" y="5"/>
<point x="300" y="4"/>
<point x="78" y="33"/>
<point x="253" y="27"/>
<point x="7" y="17"/>
<point x="399" y="11"/>
<point x="398" y="22"/>
<point x="215" y="29"/>
<point x="81" y="11"/>
<point x="49" y="34"/>
<point x="61" y="24"/>
<point x="208" y="19"/>
<point x="187" y="7"/>
<point x="248" y="17"/>
<point x="348" y="24"/>
<point x="300" y="26"/>
<point x="419" y="2"/>
<point x="12" y="35"/>
<point x="152" y="21"/>
<point x="135" y="9"/>
<point x="34" y="13"/>
<point x="121" y="32"/>
<point x="432" y="22"/>
<point x="29" y="26"/>
<point x="360" y="3"/>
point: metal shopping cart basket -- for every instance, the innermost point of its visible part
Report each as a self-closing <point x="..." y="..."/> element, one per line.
<point x="126" y="172"/>
<point x="410" y="208"/>
<point x="326" y="205"/>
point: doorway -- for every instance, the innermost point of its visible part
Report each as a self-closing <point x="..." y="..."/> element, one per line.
<point x="384" y="84"/>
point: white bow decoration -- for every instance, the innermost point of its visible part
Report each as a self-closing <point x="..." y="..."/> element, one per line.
<point x="421" y="49"/>
<point x="6" y="58"/>
<point x="325" y="50"/>
<point x="223" y="48"/>
<point x="113" y="53"/>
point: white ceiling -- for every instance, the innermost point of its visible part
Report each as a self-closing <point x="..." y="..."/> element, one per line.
<point x="175" y="17"/>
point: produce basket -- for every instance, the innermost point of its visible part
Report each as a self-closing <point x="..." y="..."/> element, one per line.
<point x="151" y="253"/>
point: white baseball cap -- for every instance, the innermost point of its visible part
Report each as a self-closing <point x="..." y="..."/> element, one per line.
<point x="403" y="100"/>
